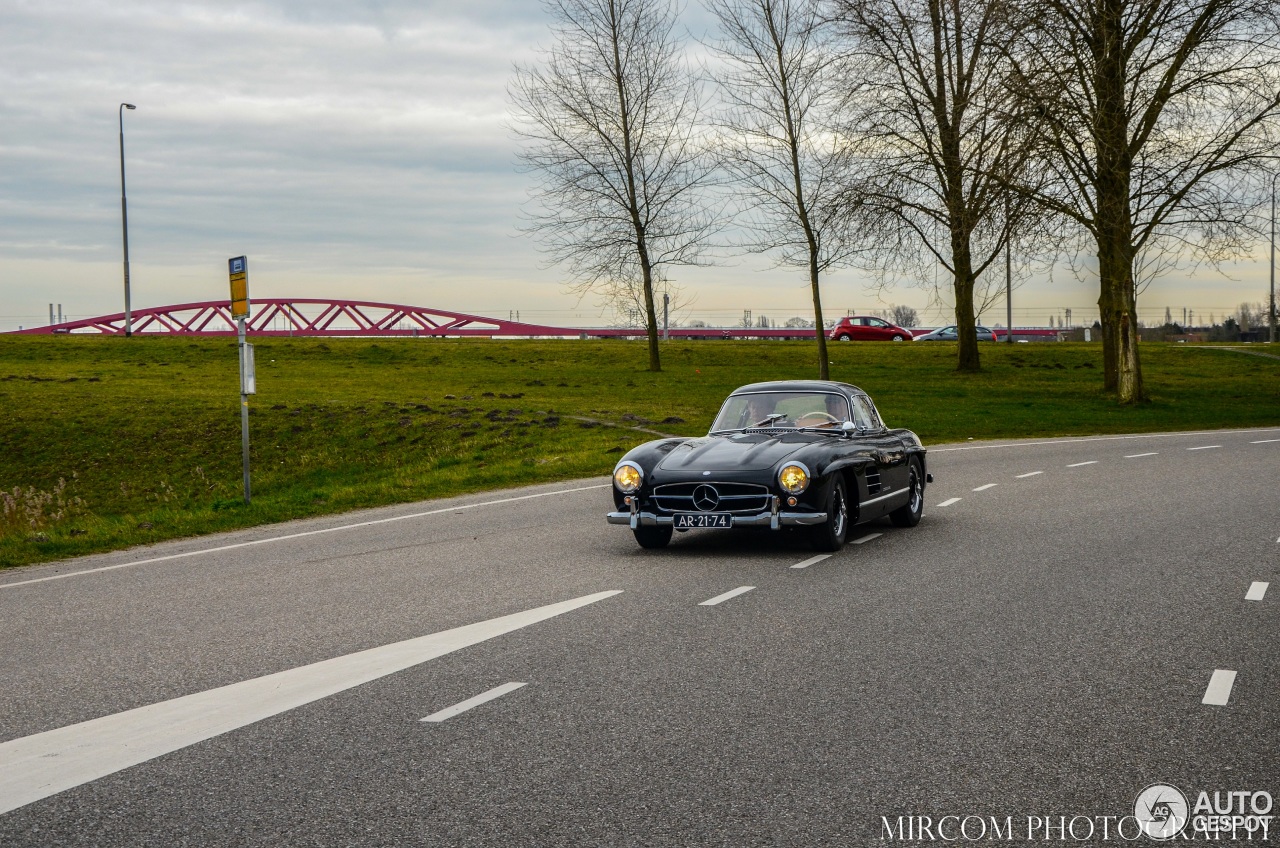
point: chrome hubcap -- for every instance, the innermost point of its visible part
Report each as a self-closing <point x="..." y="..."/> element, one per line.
<point x="917" y="499"/>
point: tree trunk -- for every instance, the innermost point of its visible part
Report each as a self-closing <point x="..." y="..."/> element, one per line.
<point x="824" y="365"/>
<point x="967" y="358"/>
<point x="650" y="312"/>
<point x="1129" y="388"/>
<point x="1113" y="220"/>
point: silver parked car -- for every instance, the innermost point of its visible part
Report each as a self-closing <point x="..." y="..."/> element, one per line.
<point x="950" y="334"/>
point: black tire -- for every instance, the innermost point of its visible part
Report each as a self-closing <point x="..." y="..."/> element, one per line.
<point x="653" y="537"/>
<point x="831" y="534"/>
<point x="897" y="338"/>
<point x="909" y="514"/>
<point x="843" y="337"/>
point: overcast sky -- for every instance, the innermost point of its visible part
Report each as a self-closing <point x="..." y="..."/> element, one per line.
<point x="350" y="148"/>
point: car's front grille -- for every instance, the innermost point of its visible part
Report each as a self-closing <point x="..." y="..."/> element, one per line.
<point x="735" y="498"/>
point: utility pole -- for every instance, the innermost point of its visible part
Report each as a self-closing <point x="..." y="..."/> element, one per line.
<point x="124" y="220"/>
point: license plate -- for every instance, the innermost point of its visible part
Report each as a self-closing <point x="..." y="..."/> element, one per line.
<point x="685" y="520"/>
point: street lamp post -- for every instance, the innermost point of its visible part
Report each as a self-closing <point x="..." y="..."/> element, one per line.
<point x="1271" y="312"/>
<point x="124" y="218"/>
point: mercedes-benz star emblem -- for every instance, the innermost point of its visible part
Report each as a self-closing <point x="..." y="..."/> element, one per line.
<point x="706" y="498"/>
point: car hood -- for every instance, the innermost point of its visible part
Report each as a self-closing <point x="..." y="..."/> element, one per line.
<point x="741" y="452"/>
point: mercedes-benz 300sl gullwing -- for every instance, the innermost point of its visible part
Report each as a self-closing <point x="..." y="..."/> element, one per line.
<point x="806" y="454"/>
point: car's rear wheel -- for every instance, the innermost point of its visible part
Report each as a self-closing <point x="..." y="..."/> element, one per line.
<point x="652" y="537"/>
<point x="908" y="515"/>
<point x="831" y="534"/>
<point x="843" y="337"/>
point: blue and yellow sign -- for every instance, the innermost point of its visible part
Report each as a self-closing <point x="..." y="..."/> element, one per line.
<point x="239" y="268"/>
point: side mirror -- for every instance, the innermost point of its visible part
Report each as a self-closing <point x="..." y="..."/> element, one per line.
<point x="849" y="428"/>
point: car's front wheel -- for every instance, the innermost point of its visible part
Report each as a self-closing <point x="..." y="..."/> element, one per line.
<point x="908" y="515"/>
<point x="653" y="537"/>
<point x="831" y="534"/>
<point x="897" y="337"/>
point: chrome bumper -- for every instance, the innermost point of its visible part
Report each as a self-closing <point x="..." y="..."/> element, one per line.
<point x="773" y="519"/>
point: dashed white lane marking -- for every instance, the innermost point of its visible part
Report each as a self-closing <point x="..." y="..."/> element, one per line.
<point x="867" y="538"/>
<point x="1205" y="447"/>
<point x="1219" y="691"/>
<point x="1264" y="441"/>
<point x="733" y="593"/>
<point x="811" y="561"/>
<point x="1136" y="455"/>
<point x="453" y="509"/>
<point x="47" y="763"/>
<point x="949" y="502"/>
<point x="482" y="698"/>
<point x="1029" y="474"/>
<point x="987" y="486"/>
<point x="1257" y="590"/>
<point x="1078" y="464"/>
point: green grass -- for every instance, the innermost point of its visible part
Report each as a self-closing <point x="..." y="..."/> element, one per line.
<point x="145" y="432"/>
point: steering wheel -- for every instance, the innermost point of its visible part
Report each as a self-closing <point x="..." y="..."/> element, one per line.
<point x="817" y="419"/>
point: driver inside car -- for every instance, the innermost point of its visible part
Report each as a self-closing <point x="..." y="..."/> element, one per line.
<point x="758" y="410"/>
<point x="834" y="413"/>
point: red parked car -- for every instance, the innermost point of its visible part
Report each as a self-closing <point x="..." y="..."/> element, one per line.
<point x="866" y="328"/>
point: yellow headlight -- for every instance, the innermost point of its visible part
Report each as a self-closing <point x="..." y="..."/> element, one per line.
<point x="794" y="479"/>
<point x="627" y="478"/>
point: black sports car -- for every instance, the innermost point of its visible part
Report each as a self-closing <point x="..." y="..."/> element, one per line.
<point x="805" y="453"/>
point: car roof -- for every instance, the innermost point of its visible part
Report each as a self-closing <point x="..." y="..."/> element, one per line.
<point x="799" y="386"/>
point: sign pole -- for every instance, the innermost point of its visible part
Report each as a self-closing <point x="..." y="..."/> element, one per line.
<point x="239" y="269"/>
<point x="245" y="352"/>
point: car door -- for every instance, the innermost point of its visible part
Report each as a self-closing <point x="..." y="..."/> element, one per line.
<point x="891" y="453"/>
<point x="880" y="330"/>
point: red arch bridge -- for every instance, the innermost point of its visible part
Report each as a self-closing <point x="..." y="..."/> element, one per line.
<point x="322" y="317"/>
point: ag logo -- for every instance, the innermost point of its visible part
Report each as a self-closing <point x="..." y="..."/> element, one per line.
<point x="1161" y="811"/>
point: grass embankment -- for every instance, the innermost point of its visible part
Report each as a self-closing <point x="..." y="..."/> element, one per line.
<point x="145" y="432"/>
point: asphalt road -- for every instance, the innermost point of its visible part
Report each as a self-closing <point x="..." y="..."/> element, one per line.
<point x="1042" y="646"/>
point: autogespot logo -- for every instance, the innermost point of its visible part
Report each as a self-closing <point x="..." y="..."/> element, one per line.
<point x="1161" y="811"/>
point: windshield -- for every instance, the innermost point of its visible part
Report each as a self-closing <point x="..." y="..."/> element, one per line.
<point x="782" y="409"/>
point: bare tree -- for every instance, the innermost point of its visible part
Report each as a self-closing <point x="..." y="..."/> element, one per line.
<point x="610" y="121"/>
<point x="1148" y="106"/>
<point x="929" y="106"/>
<point x="904" y="316"/>
<point x="776" y="82"/>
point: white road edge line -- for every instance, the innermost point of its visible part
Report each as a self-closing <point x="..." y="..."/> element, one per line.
<point x="733" y="593"/>
<point x="45" y="764"/>
<point x="811" y="561"/>
<point x="1264" y="441"/>
<point x="985" y="487"/>
<point x="1039" y="443"/>
<point x="1136" y="455"/>
<point x="1029" y="474"/>
<point x="302" y="534"/>
<point x="1257" y="591"/>
<point x="867" y="538"/>
<point x="1078" y="464"/>
<point x="1205" y="447"/>
<point x="482" y="698"/>
<point x="949" y="502"/>
<point x="1219" y="691"/>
